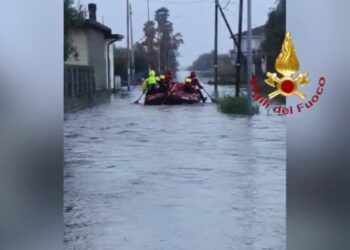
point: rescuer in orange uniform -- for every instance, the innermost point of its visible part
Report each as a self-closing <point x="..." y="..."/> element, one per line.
<point x="192" y="85"/>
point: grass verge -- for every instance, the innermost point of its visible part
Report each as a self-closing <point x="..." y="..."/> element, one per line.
<point x="236" y="105"/>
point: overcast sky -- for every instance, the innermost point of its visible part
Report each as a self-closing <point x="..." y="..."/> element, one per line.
<point x="193" y="18"/>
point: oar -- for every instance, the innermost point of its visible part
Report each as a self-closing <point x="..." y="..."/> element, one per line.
<point x="211" y="98"/>
<point x="137" y="101"/>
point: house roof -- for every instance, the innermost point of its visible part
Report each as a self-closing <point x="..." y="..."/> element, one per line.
<point x="257" y="31"/>
<point x="103" y="29"/>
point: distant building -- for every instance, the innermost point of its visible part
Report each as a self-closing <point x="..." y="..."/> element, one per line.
<point x="259" y="58"/>
<point x="91" y="68"/>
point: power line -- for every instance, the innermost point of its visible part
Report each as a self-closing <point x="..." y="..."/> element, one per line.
<point x="148" y="9"/>
<point x="181" y="2"/>
<point x="227" y="4"/>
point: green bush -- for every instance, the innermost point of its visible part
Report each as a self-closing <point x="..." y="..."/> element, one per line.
<point x="235" y="105"/>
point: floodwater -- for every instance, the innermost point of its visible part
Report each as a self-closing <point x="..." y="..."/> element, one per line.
<point x="172" y="178"/>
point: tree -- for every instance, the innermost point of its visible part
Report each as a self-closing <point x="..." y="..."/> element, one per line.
<point x="158" y="42"/>
<point x="226" y="70"/>
<point x="141" y="62"/>
<point x="275" y="30"/>
<point x="168" y="43"/>
<point x="148" y="45"/>
<point x="203" y="63"/>
<point x="120" y="62"/>
<point x="73" y="18"/>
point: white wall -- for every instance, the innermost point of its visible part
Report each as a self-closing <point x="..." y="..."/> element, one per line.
<point x="98" y="57"/>
<point x="91" y="46"/>
<point x="256" y="42"/>
<point x="110" y="75"/>
<point x="79" y="38"/>
<point x="111" y="66"/>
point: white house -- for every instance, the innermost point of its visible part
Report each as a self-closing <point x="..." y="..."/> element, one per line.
<point x="94" y="50"/>
<point x="259" y="58"/>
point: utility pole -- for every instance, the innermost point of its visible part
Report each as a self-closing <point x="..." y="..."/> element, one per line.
<point x="128" y="40"/>
<point x="238" y="63"/>
<point x="159" y="50"/>
<point x="148" y="9"/>
<point x="216" y="50"/>
<point x="132" y="47"/>
<point x="249" y="54"/>
<point x="149" y="42"/>
<point x="243" y="59"/>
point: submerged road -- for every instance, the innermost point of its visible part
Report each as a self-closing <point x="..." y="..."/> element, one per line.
<point x="171" y="178"/>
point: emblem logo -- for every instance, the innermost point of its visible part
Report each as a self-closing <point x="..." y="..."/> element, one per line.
<point x="287" y="64"/>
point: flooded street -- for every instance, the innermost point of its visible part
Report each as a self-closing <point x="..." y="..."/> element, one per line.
<point x="172" y="177"/>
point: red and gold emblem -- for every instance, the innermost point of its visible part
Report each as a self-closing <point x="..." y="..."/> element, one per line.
<point x="287" y="64"/>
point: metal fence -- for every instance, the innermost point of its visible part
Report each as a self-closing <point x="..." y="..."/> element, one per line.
<point x="78" y="80"/>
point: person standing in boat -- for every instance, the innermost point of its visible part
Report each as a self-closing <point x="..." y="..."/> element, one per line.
<point x="150" y="84"/>
<point x="192" y="85"/>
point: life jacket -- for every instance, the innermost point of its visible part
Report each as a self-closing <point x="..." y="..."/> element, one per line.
<point x="151" y="81"/>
